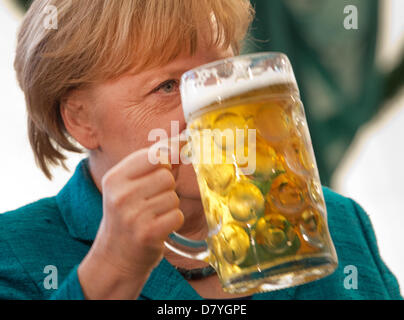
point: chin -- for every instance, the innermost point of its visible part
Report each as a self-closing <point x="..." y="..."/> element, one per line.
<point x="187" y="184"/>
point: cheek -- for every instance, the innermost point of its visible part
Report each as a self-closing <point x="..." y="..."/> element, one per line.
<point x="125" y="129"/>
<point x="119" y="133"/>
<point x="166" y="120"/>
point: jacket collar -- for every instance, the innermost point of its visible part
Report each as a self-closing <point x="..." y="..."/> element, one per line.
<point x="80" y="204"/>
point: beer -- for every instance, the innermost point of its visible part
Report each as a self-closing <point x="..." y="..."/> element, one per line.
<point x="257" y="175"/>
<point x="276" y="215"/>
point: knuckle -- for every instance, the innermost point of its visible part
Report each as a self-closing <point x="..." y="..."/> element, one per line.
<point x="166" y="178"/>
<point x="116" y="199"/>
<point x="130" y="220"/>
<point x="146" y="236"/>
<point x="179" y="216"/>
<point x="142" y="155"/>
<point x="173" y="199"/>
<point x="174" y="219"/>
<point x="136" y="187"/>
<point x="108" y="179"/>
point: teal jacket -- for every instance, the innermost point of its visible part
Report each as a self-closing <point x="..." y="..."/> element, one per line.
<point x="42" y="244"/>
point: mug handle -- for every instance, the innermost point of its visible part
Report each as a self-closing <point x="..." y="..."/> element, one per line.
<point x="188" y="248"/>
<point x="181" y="245"/>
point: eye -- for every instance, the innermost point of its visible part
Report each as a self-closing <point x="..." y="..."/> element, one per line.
<point x="168" y="86"/>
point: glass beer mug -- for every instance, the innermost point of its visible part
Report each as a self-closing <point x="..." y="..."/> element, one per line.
<point x="257" y="174"/>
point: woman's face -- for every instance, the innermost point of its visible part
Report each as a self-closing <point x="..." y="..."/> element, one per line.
<point x="124" y="111"/>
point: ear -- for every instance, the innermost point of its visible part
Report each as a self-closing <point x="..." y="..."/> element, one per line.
<point x="75" y="109"/>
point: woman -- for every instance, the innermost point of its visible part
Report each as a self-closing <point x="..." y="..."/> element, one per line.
<point x="104" y="79"/>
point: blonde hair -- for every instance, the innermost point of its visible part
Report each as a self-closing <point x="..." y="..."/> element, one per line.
<point x="97" y="40"/>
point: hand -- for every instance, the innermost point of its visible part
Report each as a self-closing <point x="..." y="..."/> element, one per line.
<point x="141" y="209"/>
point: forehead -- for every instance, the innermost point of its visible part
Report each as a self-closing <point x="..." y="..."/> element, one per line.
<point x="137" y="84"/>
<point x="185" y="62"/>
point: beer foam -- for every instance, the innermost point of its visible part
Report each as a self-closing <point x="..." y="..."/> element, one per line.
<point x="195" y="95"/>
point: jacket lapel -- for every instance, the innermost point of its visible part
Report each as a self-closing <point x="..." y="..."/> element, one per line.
<point x="166" y="283"/>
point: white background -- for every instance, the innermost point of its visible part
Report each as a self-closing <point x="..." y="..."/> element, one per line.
<point x="372" y="173"/>
<point x="21" y="181"/>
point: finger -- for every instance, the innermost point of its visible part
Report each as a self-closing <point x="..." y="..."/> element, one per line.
<point x="135" y="165"/>
<point x="154" y="183"/>
<point x="162" y="203"/>
<point x="167" y="223"/>
<point x="143" y="162"/>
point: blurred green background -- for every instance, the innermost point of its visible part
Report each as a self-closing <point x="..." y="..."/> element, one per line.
<point x="24" y="4"/>
<point x="340" y="85"/>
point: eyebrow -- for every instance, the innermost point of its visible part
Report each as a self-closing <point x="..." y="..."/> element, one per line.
<point x="166" y="73"/>
<point x="170" y="72"/>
